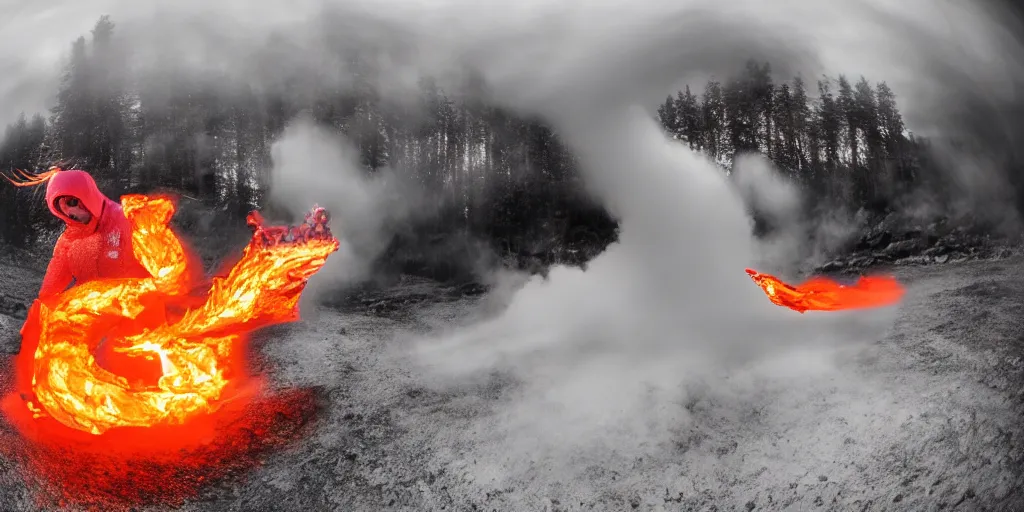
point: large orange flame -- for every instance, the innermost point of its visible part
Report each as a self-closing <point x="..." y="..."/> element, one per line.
<point x="823" y="294"/>
<point x="197" y="346"/>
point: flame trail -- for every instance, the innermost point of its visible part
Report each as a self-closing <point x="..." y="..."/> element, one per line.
<point x="198" y="348"/>
<point x="823" y="294"/>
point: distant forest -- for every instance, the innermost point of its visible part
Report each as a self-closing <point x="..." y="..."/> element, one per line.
<point x="504" y="179"/>
<point x="847" y="145"/>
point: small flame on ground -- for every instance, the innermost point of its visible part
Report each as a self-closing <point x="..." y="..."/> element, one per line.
<point x="824" y="294"/>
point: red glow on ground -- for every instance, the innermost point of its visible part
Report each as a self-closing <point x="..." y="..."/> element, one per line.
<point x="126" y="468"/>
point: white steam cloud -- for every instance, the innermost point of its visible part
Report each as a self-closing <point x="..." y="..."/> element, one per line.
<point x="314" y="165"/>
<point x="779" y="201"/>
<point x="603" y="357"/>
<point x="796" y="240"/>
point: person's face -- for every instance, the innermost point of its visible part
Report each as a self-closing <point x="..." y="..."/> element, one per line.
<point x="74" y="209"/>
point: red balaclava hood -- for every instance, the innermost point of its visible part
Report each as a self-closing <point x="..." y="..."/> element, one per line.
<point x="78" y="184"/>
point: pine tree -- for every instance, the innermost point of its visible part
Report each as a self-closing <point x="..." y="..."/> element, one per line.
<point x="668" y="116"/>
<point x="890" y="122"/>
<point x="830" y="123"/>
<point x="876" y="175"/>
<point x="72" y="119"/>
<point x="762" y="93"/>
<point x="714" y="121"/>
<point x="890" y="133"/>
<point x="739" y="112"/>
<point x="111" y="107"/>
<point x="784" y="138"/>
<point x="21" y="149"/>
<point x="688" y="118"/>
<point x="848" y="120"/>
<point x="802" y="125"/>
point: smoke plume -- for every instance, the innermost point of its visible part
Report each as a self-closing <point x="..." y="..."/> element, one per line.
<point x="779" y="203"/>
<point x="602" y="358"/>
<point x="313" y="165"/>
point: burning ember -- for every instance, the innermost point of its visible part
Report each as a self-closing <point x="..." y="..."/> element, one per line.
<point x="823" y="294"/>
<point x="196" y="342"/>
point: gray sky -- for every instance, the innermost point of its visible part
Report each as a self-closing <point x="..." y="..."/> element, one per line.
<point x="922" y="48"/>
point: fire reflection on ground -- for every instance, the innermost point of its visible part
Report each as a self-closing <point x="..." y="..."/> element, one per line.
<point x="155" y="466"/>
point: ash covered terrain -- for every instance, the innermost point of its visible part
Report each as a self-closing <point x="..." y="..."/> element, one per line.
<point x="544" y="212"/>
<point x="924" y="417"/>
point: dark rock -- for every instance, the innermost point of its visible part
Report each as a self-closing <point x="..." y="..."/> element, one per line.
<point x="833" y="266"/>
<point x="904" y="248"/>
<point x="862" y="261"/>
<point x="874" y="241"/>
<point x="917" y="260"/>
<point x="897" y="240"/>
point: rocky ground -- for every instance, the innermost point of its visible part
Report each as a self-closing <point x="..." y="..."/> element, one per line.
<point x="927" y="418"/>
<point x="894" y="240"/>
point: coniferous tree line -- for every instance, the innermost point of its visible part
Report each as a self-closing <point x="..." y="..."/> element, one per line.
<point x="843" y="142"/>
<point x="502" y="177"/>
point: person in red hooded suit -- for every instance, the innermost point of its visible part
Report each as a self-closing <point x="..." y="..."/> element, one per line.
<point x="96" y="244"/>
<point x="97" y="239"/>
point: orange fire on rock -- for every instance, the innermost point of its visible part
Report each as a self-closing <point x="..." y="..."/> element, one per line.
<point x="823" y="294"/>
<point x="198" y="342"/>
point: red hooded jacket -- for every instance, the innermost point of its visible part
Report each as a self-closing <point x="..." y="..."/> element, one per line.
<point x="85" y="252"/>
